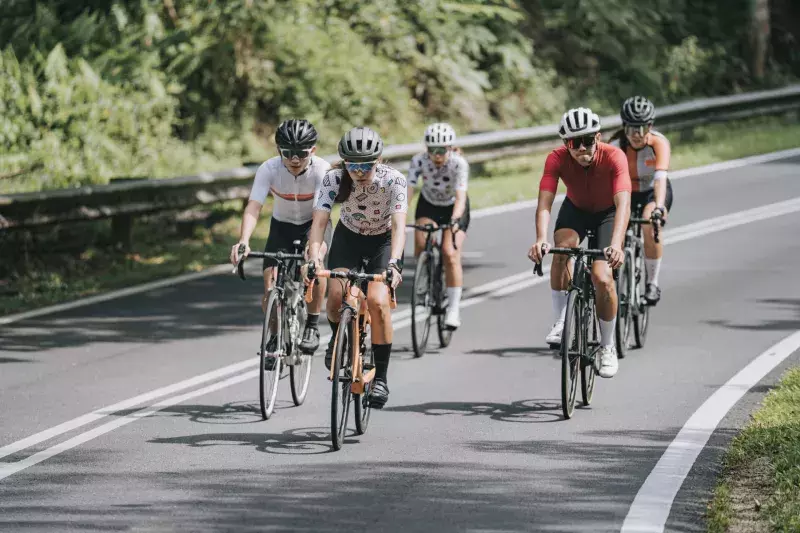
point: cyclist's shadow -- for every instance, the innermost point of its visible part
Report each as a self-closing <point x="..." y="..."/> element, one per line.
<point x="302" y="441"/>
<point x="521" y="411"/>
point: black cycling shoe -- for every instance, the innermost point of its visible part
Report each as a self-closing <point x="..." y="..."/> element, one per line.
<point x="310" y="341"/>
<point x="379" y="394"/>
<point x="269" y="361"/>
<point x="653" y="294"/>
<point x="329" y="354"/>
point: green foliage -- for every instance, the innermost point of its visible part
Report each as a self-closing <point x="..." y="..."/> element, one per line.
<point x="97" y="89"/>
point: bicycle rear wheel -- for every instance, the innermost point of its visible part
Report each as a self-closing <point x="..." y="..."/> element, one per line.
<point x="340" y="386"/>
<point x="421" y="304"/>
<point x="440" y="288"/>
<point x="588" y="373"/>
<point x="571" y="351"/>
<point x="300" y="371"/>
<point x="625" y="302"/>
<point x="361" y="401"/>
<point x="642" y="319"/>
<point x="271" y="348"/>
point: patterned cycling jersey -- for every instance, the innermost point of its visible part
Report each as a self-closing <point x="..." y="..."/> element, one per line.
<point x="369" y="208"/>
<point x="294" y="196"/>
<point x="439" y="184"/>
<point x="643" y="164"/>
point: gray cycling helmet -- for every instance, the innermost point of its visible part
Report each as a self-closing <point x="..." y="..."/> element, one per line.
<point x="360" y="145"/>
<point x="637" y="111"/>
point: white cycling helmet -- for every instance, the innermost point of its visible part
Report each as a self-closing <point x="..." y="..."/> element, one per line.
<point x="577" y="122"/>
<point x="440" y="134"/>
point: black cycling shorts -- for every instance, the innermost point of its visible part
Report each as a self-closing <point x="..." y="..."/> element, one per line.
<point x="283" y="234"/>
<point x="441" y="214"/>
<point x="601" y="223"/>
<point x="645" y="197"/>
<point x="349" y="248"/>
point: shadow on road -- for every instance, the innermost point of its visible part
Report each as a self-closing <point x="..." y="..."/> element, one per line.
<point x="525" y="411"/>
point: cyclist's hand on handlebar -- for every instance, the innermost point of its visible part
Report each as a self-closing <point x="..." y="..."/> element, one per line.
<point x="454" y="225"/>
<point x="659" y="215"/>
<point x="309" y="267"/>
<point x="235" y="255"/>
<point x="538" y="251"/>
<point x="615" y="256"/>
<point x="394" y="277"/>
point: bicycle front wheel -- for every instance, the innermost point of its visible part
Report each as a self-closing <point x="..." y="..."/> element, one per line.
<point x="271" y="355"/>
<point x="588" y="372"/>
<point x="445" y="333"/>
<point x="362" y="409"/>
<point x="340" y="386"/>
<point x="642" y="319"/>
<point x="625" y="293"/>
<point x="300" y="371"/>
<point x="421" y="304"/>
<point x="571" y="353"/>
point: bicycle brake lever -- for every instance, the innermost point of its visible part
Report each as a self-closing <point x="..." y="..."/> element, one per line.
<point x="240" y="265"/>
<point x="537" y="269"/>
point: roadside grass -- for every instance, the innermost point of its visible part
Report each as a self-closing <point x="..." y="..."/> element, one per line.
<point x="760" y="485"/>
<point x="62" y="264"/>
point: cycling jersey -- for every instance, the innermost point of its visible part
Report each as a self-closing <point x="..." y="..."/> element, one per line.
<point x="646" y="164"/>
<point x="369" y="208"/>
<point x="439" y="184"/>
<point x="591" y="188"/>
<point x="294" y="196"/>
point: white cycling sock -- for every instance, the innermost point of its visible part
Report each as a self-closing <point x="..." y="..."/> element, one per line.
<point x="559" y="305"/>
<point x="653" y="267"/>
<point x="607" y="332"/>
<point x="453" y="297"/>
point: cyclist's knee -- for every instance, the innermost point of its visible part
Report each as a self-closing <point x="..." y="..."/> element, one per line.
<point x="602" y="278"/>
<point x="451" y="256"/>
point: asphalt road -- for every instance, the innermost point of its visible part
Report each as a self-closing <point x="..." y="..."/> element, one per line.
<point x="472" y="438"/>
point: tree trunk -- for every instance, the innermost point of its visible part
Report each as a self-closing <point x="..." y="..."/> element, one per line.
<point x="759" y="37"/>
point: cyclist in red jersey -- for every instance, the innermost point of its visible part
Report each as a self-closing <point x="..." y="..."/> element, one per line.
<point x="598" y="199"/>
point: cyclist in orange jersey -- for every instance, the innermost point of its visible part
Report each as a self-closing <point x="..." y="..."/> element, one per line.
<point x="648" y="153"/>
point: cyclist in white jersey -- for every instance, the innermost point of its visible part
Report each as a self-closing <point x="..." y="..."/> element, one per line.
<point x="443" y="173"/>
<point x="372" y="226"/>
<point x="293" y="178"/>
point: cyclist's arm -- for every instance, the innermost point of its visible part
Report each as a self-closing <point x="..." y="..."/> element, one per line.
<point x="398" y="234"/>
<point x="414" y="171"/>
<point x="317" y="234"/>
<point x="249" y="221"/>
<point x="663" y="152"/>
<point x="543" y="208"/>
<point x="460" y="205"/>
<point x="461" y="189"/>
<point x="623" y="202"/>
<point x="660" y="186"/>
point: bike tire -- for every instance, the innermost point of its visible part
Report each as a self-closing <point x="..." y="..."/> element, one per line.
<point x="625" y="295"/>
<point x="269" y="379"/>
<point x="340" y="386"/>
<point x="571" y="351"/>
<point x="588" y="372"/>
<point x="445" y="333"/>
<point x="642" y="321"/>
<point x="361" y="405"/>
<point x="421" y="305"/>
<point x="300" y="371"/>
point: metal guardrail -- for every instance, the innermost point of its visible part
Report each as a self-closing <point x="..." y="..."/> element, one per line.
<point x="123" y="201"/>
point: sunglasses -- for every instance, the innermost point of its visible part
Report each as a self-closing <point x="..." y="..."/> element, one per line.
<point x="437" y="150"/>
<point x="360" y="168"/>
<point x="633" y="130"/>
<point x="576" y="142"/>
<point x="289" y="153"/>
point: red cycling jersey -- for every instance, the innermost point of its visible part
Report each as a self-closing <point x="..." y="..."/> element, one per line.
<point x="589" y="188"/>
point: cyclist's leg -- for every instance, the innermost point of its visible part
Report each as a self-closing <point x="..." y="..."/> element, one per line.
<point x="343" y="255"/>
<point x="654" y="251"/>
<point x="378" y="249"/>
<point x="452" y="267"/>
<point x="605" y="295"/>
<point x="311" y="335"/>
<point x="424" y="214"/>
<point x="280" y="237"/>
<point x="570" y="230"/>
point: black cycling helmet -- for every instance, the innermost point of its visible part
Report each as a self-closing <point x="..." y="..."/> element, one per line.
<point x="637" y="111"/>
<point x="360" y="145"/>
<point x="296" y="133"/>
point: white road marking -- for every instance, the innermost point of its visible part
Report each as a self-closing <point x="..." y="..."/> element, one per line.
<point x="478" y="213"/>
<point x="653" y="502"/>
<point x="498" y="288"/>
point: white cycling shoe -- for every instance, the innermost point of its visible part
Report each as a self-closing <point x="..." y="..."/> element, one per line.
<point x="554" y="337"/>
<point x="452" y="320"/>
<point x="608" y="364"/>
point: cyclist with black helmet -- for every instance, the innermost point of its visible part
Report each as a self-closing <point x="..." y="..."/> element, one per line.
<point x="648" y="153"/>
<point x="372" y="226"/>
<point x="598" y="198"/>
<point x="443" y="173"/>
<point x="293" y="178"/>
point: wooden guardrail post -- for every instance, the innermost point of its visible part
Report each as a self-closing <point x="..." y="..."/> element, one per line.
<point x="122" y="223"/>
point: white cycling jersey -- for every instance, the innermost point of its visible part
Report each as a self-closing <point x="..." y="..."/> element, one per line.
<point x="439" y="184"/>
<point x="294" y="195"/>
<point x="369" y="208"/>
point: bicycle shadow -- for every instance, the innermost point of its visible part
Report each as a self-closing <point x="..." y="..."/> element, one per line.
<point x="301" y="441"/>
<point x="521" y="411"/>
<point x="518" y="351"/>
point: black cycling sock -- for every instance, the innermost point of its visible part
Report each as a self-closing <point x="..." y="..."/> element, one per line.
<point x="334" y="329"/>
<point x="312" y="321"/>
<point x="382" y="353"/>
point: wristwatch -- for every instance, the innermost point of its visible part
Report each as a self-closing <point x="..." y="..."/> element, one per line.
<point x="395" y="263"/>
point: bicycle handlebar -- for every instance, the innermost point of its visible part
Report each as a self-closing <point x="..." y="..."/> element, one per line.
<point x="430" y="228"/>
<point x="588" y="252"/>
<point x="352" y="276"/>
<point x="651" y="221"/>
<point x="279" y="255"/>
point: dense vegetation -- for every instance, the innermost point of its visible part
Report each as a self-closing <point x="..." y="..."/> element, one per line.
<point x="94" y="89"/>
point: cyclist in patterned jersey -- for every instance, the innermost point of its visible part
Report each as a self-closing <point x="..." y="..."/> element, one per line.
<point x="293" y="178"/>
<point x="443" y="199"/>
<point x="372" y="225"/>
<point x="648" y="154"/>
<point x="598" y="198"/>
